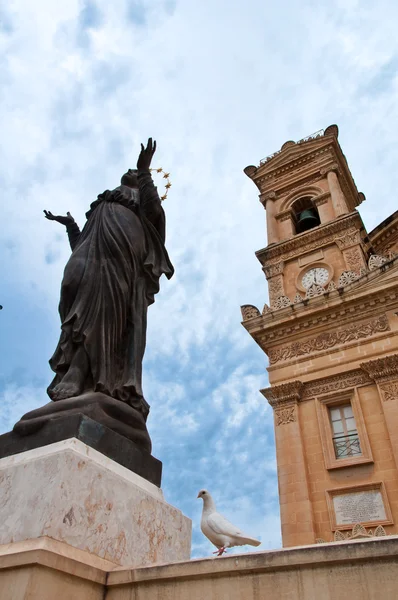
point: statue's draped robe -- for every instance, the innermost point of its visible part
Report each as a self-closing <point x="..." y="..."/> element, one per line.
<point x="109" y="282"/>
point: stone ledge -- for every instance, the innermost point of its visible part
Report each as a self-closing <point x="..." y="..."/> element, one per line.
<point x="317" y="555"/>
<point x="56" y="555"/>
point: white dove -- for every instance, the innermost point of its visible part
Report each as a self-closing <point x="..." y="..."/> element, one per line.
<point x="218" y="530"/>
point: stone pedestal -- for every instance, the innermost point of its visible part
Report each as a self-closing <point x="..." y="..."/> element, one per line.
<point x="72" y="493"/>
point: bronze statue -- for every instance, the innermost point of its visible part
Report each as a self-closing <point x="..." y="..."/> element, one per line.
<point x="109" y="281"/>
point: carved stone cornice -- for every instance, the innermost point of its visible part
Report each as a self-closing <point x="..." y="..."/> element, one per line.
<point x="328" y="340"/>
<point x="284" y="394"/>
<point x="310" y="240"/>
<point x="327" y="385"/>
<point x="382" y="369"/>
<point x="291" y="165"/>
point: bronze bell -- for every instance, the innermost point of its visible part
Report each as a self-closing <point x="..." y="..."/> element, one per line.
<point x="307" y="220"/>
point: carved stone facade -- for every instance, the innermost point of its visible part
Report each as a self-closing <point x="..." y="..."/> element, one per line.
<point x="331" y="336"/>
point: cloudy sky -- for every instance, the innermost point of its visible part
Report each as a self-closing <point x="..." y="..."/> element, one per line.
<point x="220" y="84"/>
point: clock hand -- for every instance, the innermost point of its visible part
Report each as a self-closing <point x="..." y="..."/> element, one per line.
<point x="315" y="277"/>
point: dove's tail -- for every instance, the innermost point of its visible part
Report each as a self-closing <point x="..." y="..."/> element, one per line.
<point x="243" y="541"/>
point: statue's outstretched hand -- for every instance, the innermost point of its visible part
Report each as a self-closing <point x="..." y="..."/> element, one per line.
<point x="146" y="154"/>
<point x="68" y="220"/>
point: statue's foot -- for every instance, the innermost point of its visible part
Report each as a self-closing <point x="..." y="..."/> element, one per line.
<point x="65" y="390"/>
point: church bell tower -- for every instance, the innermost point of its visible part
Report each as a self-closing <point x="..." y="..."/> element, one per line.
<point x="330" y="332"/>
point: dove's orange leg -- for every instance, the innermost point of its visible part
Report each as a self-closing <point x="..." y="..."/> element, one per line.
<point x="220" y="551"/>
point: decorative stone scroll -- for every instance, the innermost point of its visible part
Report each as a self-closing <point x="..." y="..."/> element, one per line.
<point x="325" y="341"/>
<point x="315" y="290"/>
<point x="346" y="278"/>
<point x="375" y="261"/>
<point x="297" y="299"/>
<point x="249" y="312"/>
<point x="332" y="286"/>
<point x="266" y="310"/>
<point x="282" y="302"/>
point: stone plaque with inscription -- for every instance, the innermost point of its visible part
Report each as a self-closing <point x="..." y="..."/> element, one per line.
<point x="359" y="507"/>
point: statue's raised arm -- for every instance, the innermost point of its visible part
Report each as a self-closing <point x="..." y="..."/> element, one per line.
<point x="111" y="278"/>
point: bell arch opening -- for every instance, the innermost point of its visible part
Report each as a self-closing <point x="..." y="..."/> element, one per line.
<point x="305" y="214"/>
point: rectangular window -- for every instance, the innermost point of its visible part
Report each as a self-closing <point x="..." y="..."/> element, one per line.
<point x="344" y="431"/>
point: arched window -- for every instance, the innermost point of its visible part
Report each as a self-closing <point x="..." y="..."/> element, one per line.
<point x="305" y="214"/>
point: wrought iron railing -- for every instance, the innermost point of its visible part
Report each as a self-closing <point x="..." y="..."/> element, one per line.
<point x="347" y="445"/>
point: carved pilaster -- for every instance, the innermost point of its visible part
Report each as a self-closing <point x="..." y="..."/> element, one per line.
<point x="350" y="245"/>
<point x="384" y="371"/>
<point x="274" y="277"/>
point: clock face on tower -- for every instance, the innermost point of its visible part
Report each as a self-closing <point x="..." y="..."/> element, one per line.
<point x="316" y="275"/>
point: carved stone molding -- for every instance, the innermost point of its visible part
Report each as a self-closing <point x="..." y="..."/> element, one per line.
<point x="310" y="240"/>
<point x="297" y="299"/>
<point x="266" y="309"/>
<point x="349" y="239"/>
<point x="273" y="270"/>
<point x="286" y="393"/>
<point x="325" y="341"/>
<point x="382" y="369"/>
<point x="335" y="383"/>
<point x="284" y="416"/>
<point x="249" y="312"/>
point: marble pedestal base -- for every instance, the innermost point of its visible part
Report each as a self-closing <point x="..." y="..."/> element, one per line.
<point x="71" y="493"/>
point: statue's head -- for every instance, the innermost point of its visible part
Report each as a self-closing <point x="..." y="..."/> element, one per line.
<point x="130" y="178"/>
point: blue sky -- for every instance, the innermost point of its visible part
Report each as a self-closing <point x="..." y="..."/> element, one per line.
<point x="220" y="84"/>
